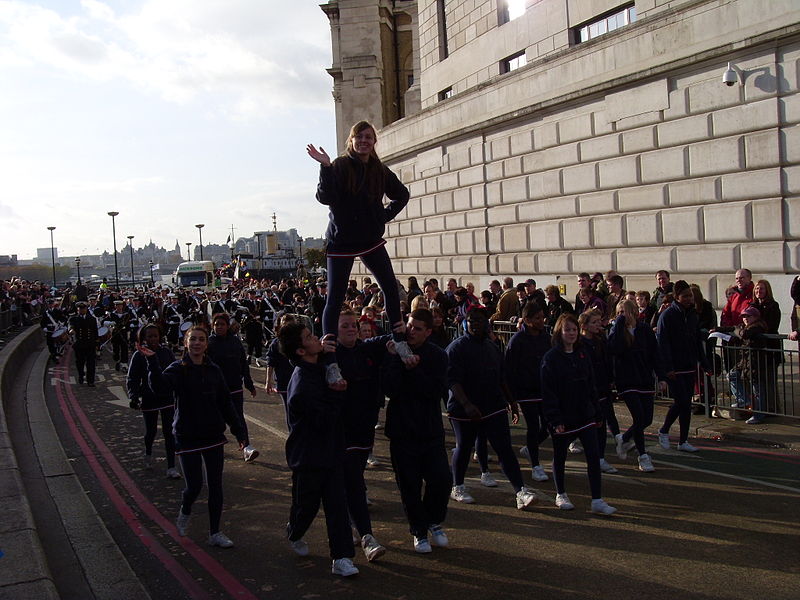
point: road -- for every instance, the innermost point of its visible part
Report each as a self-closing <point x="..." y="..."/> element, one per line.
<point x="719" y="524"/>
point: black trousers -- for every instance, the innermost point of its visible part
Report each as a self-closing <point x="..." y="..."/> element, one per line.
<point x="151" y="427"/>
<point x="418" y="462"/>
<point x="309" y="488"/>
<point x="355" y="461"/>
<point x="119" y="343"/>
<point x="85" y="360"/>
<point x="192" y="464"/>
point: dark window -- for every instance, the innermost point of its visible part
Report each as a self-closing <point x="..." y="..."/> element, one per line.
<point x="513" y="62"/>
<point x="442" y="25"/>
<point x="445" y="94"/>
<point x="605" y="24"/>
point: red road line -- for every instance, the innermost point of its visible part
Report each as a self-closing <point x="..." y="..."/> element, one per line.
<point x="142" y="533"/>
<point x="213" y="567"/>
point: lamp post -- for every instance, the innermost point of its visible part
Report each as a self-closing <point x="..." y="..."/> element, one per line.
<point x="188" y="253"/>
<point x="260" y="261"/>
<point x="78" y="266"/>
<point x="130" y="245"/>
<point x="53" y="254"/>
<point x="152" y="281"/>
<point x="113" y="214"/>
<point x="200" y="229"/>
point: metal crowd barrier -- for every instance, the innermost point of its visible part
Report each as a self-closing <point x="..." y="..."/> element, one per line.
<point x="5" y="321"/>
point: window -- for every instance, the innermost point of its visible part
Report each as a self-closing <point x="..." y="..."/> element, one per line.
<point x="508" y="10"/>
<point x="513" y="62"/>
<point x="445" y="94"/>
<point x="605" y="24"/>
<point x="442" y="26"/>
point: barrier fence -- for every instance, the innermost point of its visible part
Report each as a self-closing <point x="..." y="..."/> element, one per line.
<point x="5" y="321"/>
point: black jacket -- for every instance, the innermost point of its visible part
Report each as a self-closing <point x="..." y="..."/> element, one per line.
<point x="634" y="365"/>
<point x="136" y="381"/>
<point x="569" y="396"/>
<point x="354" y="195"/>
<point x="363" y="397"/>
<point x="523" y="360"/>
<point x="679" y="344"/>
<point x="229" y="355"/>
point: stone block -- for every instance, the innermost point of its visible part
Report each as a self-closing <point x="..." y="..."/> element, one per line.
<point x="789" y="109"/>
<point x="515" y="238"/>
<point x="764" y="257"/>
<point x="512" y="167"/>
<point x="664" y="165"/>
<point x="707" y="258"/>
<point x="642" y="197"/>
<point x="644" y="260"/>
<point x="791" y="177"/>
<point x="449" y="243"/>
<point x="414" y="246"/>
<point x="444" y="202"/>
<point x="546" y="184"/>
<point x="607" y="146"/>
<point x="417" y="189"/>
<point x="465" y="241"/>
<point x="427" y="266"/>
<point x="514" y="189"/>
<point x="767" y="219"/>
<point x="499" y="148"/>
<point x="710" y="94"/>
<point x="602" y="124"/>
<point x="457" y="159"/>
<point x="598" y="203"/>
<point x="477" y="154"/>
<point x="461" y="265"/>
<point x="434" y="224"/>
<point x="646" y="98"/>
<point x="607" y="231"/>
<point x="447" y="181"/>
<point x="729" y="222"/>
<point x="576" y="233"/>
<point x="405" y="228"/>
<point x="746" y="117"/>
<point x="494" y="171"/>
<point x="502" y="215"/>
<point x="638" y="140"/>
<point x="694" y="191"/>
<point x="429" y="159"/>
<point x="678" y="104"/>
<point x="461" y="199"/>
<point x="477" y="196"/>
<point x="618" y="172"/>
<point x="682" y="226"/>
<point x="455" y="220"/>
<point x="428" y="205"/>
<point x="413" y="209"/>
<point x="792" y="216"/>
<point x="522" y="142"/>
<point x="643" y="229"/>
<point x="476" y="218"/>
<point x="479" y="265"/>
<point x="592" y="261"/>
<point x="545" y="135"/>
<point x="762" y="149"/>
<point x="557" y="156"/>
<point x="539" y="210"/>
<point x="397" y="247"/>
<point x="751" y="184"/>
<point x="683" y="131"/>
<point x="444" y="265"/>
<point x="481" y="240"/>
<point x="544" y="235"/>
<point x="418" y="226"/>
<point x="649" y="118"/>
<point x="579" y="179"/>
<point x="790" y="143"/>
<point x="430" y="186"/>
<point x="494" y="195"/>
<point x="553" y="262"/>
<point x="526" y="262"/>
<point x="575" y="128"/>
<point x="471" y="176"/>
<point x="717" y="156"/>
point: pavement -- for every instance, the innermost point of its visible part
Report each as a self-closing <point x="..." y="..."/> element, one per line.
<point x="65" y="535"/>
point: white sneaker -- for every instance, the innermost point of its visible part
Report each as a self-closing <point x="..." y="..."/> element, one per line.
<point x="607" y="467"/>
<point x="249" y="453"/>
<point x="378" y="425"/>
<point x="438" y="536"/>
<point x="645" y="464"/>
<point x="220" y="539"/>
<point x="173" y="473"/>
<point x="575" y="447"/>
<point x="487" y="480"/>
<point x="343" y="567"/>
<point x="333" y="375"/>
<point x="621" y="454"/>
<point x="403" y="350"/>
<point x="182" y="523"/>
<point x="459" y="493"/>
<point x="299" y="547"/>
<point x="687" y="447"/>
<point x="663" y="440"/>
<point x="600" y="507"/>
<point x="562" y="502"/>
<point x="524" y="452"/>
<point x="372" y="549"/>
<point x="525" y="498"/>
<point x="372" y="461"/>
<point x="422" y="545"/>
<point x="538" y="473"/>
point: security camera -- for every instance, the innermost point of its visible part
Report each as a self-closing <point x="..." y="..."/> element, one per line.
<point x="731" y="75"/>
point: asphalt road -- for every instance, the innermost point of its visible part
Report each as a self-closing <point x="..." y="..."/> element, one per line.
<point x="719" y="524"/>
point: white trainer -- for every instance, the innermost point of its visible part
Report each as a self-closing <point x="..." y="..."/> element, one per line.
<point x="459" y="493"/>
<point x="607" y="467"/>
<point x="562" y="502"/>
<point x="621" y="453"/>
<point x="663" y="440"/>
<point x="538" y="473"/>
<point x="182" y="523"/>
<point x="575" y="447"/>
<point x="249" y="453"/>
<point x="487" y="480"/>
<point x="343" y="567"/>
<point x="372" y="549"/>
<point x="601" y="507"/>
<point x="525" y="498"/>
<point x="524" y="452"/>
<point x="220" y="539"/>
<point x="173" y="473"/>
<point x="645" y="464"/>
<point x="687" y="447"/>
<point x="422" y="545"/>
<point x="438" y="536"/>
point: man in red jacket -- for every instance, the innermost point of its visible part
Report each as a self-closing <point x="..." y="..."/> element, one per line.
<point x="739" y="300"/>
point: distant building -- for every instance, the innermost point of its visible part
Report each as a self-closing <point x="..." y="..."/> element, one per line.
<point x="45" y="256"/>
<point x="7" y="260"/>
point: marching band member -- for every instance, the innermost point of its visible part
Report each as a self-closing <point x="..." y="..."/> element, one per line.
<point x="84" y="327"/>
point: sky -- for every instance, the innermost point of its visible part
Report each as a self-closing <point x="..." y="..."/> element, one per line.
<point x="171" y="112"/>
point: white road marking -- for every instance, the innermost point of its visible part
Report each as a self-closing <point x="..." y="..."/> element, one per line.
<point x="729" y="476"/>
<point x="122" y="397"/>
<point x="281" y="434"/>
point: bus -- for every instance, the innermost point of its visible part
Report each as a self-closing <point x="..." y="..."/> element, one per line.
<point x="195" y="274"/>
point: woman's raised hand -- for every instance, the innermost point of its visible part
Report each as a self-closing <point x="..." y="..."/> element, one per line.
<point x="319" y="155"/>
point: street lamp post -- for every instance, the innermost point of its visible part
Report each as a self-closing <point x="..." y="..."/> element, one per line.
<point x="188" y="253"/>
<point x="152" y="281"/>
<point x="78" y="266"/>
<point x="260" y="260"/>
<point x="113" y="214"/>
<point x="53" y="254"/>
<point x="130" y="244"/>
<point x="200" y="229"/>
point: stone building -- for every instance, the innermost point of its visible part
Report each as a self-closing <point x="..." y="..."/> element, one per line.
<point x="545" y="138"/>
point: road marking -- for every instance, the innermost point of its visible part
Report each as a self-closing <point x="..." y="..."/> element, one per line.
<point x="281" y="434"/>
<point x="122" y="397"/>
<point x="729" y="476"/>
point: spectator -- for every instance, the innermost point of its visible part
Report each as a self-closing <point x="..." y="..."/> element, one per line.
<point x="664" y="287"/>
<point x="646" y="310"/>
<point x="584" y="282"/>
<point x="739" y="300"/>
<point x="556" y="306"/>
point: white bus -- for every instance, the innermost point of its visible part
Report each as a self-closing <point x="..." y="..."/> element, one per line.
<point x="195" y="274"/>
